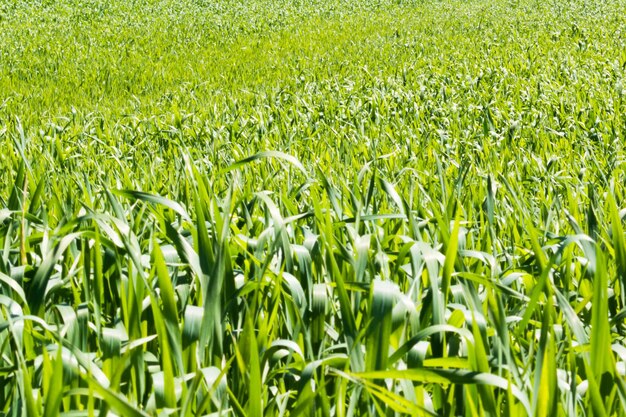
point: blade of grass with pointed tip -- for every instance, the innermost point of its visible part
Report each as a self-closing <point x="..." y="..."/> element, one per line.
<point x="154" y="199"/>
<point x="267" y="154"/>
<point x="448" y="376"/>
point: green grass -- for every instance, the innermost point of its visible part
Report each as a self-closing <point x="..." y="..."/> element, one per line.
<point x="312" y="208"/>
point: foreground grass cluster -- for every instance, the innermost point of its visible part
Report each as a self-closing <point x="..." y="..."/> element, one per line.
<point x="312" y="208"/>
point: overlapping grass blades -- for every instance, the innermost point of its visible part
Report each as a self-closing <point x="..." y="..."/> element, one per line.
<point x="323" y="208"/>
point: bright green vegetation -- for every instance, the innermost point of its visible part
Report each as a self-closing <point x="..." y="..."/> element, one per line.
<point x="299" y="208"/>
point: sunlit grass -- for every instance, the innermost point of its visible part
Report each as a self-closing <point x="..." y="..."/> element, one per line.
<point x="329" y="208"/>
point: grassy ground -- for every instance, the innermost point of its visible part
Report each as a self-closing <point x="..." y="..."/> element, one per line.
<point x="327" y="207"/>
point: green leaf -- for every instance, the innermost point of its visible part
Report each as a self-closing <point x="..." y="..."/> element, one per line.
<point x="154" y="199"/>
<point x="267" y="154"/>
<point x="448" y="376"/>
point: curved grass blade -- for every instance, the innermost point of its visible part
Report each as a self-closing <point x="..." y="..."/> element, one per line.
<point x="267" y="154"/>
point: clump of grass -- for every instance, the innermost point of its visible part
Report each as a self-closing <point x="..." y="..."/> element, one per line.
<point x="299" y="208"/>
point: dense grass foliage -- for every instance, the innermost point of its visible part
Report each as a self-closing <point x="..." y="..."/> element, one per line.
<point x="299" y="208"/>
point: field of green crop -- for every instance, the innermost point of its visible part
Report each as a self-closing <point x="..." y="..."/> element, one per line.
<point x="312" y="208"/>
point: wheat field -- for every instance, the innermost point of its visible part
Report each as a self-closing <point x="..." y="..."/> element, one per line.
<point x="312" y="208"/>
